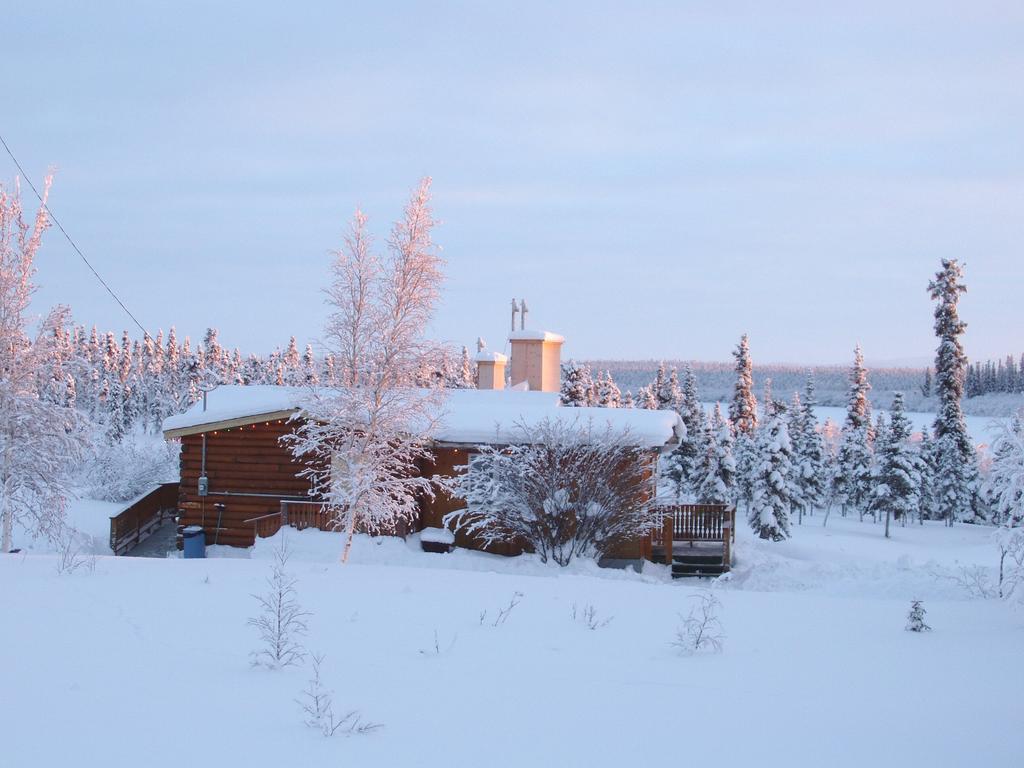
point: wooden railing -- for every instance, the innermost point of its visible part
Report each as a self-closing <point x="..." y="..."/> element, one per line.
<point x="297" y="514"/>
<point x="135" y="523"/>
<point x="696" y="522"/>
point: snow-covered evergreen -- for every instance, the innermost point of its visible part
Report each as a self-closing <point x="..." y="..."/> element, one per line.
<point x="955" y="460"/>
<point x="718" y="471"/>
<point x="771" y="491"/>
<point x="577" y="384"/>
<point x="852" y="479"/>
<point x="810" y="478"/>
<point x="743" y="408"/>
<point x="896" y="483"/>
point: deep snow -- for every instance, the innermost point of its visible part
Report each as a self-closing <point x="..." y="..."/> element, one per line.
<point x="147" y="660"/>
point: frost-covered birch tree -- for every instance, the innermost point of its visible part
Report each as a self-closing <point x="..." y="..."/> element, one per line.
<point x="363" y="440"/>
<point x="40" y="438"/>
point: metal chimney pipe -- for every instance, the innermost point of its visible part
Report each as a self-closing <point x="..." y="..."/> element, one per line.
<point x="522" y="317"/>
<point x="515" y="309"/>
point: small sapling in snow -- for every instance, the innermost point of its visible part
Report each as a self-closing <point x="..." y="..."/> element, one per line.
<point x="701" y="630"/>
<point x="281" y="621"/>
<point x="437" y="647"/>
<point x="503" y="613"/>
<point x="318" y="707"/>
<point x="587" y="615"/>
<point x="915" y="619"/>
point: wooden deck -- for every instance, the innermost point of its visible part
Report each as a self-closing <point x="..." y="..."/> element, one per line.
<point x="135" y="523"/>
<point x="695" y="539"/>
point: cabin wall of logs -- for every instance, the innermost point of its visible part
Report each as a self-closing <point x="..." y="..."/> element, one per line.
<point x="249" y="473"/>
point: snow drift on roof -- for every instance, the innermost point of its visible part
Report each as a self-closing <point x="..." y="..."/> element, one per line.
<point x="471" y="416"/>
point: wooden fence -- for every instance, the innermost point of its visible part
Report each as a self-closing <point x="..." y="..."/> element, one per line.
<point x="137" y="522"/>
<point x="297" y="514"/>
<point x="694" y="523"/>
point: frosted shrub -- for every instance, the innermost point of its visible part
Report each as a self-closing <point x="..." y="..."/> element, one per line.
<point x="566" y="489"/>
<point x="70" y="554"/>
<point x="701" y="630"/>
<point x="281" y="622"/>
<point x="915" y="619"/>
<point x="123" y="470"/>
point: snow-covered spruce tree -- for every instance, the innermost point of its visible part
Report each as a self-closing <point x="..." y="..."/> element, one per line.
<point x="668" y="394"/>
<point x="743" y="408"/>
<point x="915" y="618"/>
<point x="576" y="384"/>
<point x="608" y="395"/>
<point x="955" y="459"/>
<point x="926" y="385"/>
<point x="627" y="401"/>
<point x="1005" y="483"/>
<point x="684" y="465"/>
<point x="771" y="492"/>
<point x="466" y="371"/>
<point x="645" y="399"/>
<point x="565" y="489"/>
<point x="853" y="462"/>
<point x="810" y="471"/>
<point x="927" y="508"/>
<point x="718" y="484"/>
<point x="362" y="441"/>
<point x="40" y="439"/>
<point x="1005" y="491"/>
<point x="895" y="477"/>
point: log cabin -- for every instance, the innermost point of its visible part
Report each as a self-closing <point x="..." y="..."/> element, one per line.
<point x="239" y="482"/>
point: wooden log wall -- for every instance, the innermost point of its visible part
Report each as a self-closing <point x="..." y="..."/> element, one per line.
<point x="241" y="460"/>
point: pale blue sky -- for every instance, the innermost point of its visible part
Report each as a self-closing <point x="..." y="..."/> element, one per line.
<point x="654" y="179"/>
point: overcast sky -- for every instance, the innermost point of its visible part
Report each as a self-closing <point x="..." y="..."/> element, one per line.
<point x="654" y="182"/>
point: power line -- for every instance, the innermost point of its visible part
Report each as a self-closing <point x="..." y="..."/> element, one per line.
<point x="78" y="250"/>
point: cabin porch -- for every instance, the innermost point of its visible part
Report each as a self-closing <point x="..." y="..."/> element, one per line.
<point x="695" y="539"/>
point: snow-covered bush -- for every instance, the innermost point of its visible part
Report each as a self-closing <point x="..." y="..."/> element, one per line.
<point x="701" y="629"/>
<point x="915" y="618"/>
<point x="119" y="471"/>
<point x="281" y="621"/>
<point x="566" y="489"/>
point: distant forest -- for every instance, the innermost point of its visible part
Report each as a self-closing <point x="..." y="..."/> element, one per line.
<point x="715" y="381"/>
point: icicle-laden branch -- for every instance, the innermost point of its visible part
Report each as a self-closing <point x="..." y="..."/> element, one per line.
<point x="566" y="489"/>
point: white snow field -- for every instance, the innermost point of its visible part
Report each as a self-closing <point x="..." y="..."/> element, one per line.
<point x="146" y="661"/>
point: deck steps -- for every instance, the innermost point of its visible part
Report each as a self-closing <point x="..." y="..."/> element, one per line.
<point x="687" y="565"/>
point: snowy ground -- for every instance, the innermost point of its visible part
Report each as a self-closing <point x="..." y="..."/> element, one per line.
<point x="146" y="661"/>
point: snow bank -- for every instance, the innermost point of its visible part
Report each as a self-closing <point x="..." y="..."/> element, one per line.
<point x="415" y="649"/>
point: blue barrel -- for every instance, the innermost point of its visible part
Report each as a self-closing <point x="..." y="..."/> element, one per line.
<point x="194" y="540"/>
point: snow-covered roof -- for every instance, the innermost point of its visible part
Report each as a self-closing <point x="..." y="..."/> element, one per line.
<point x="471" y="416"/>
<point x="531" y="335"/>
<point x="489" y="356"/>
